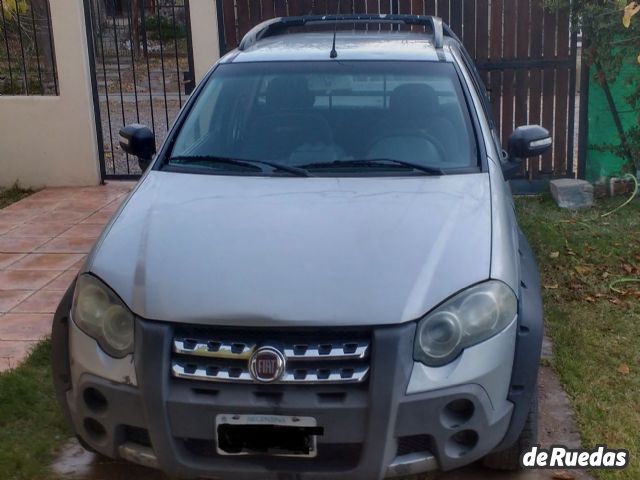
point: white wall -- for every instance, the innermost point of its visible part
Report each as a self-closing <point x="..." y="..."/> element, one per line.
<point x="204" y="35"/>
<point x="49" y="140"/>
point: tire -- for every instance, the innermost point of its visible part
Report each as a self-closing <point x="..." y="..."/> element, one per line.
<point x="86" y="446"/>
<point x="509" y="459"/>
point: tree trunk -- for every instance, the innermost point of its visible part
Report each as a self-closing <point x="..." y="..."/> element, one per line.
<point x="135" y="27"/>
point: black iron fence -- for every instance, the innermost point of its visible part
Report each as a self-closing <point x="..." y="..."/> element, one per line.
<point x="142" y="68"/>
<point x="27" y="57"/>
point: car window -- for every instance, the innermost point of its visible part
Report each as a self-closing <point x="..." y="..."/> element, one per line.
<point x="330" y="117"/>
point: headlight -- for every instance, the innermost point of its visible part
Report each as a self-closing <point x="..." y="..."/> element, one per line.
<point x="470" y="317"/>
<point x="99" y="313"/>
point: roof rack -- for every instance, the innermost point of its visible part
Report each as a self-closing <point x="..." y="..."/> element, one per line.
<point x="276" y="26"/>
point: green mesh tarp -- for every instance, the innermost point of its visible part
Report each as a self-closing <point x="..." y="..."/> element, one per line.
<point x="602" y="128"/>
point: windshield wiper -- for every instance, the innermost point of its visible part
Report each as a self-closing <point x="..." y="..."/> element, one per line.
<point x="376" y="162"/>
<point x="242" y="162"/>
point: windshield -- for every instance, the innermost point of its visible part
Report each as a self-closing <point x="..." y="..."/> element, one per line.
<point x="328" y="118"/>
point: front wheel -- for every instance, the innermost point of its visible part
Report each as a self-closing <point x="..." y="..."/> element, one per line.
<point x="509" y="459"/>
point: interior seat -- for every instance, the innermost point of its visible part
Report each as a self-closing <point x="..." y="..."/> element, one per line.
<point x="414" y="112"/>
<point x="288" y="124"/>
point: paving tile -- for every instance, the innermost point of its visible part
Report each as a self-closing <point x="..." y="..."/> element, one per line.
<point x="13" y="217"/>
<point x="30" y="229"/>
<point x="7" y="226"/>
<point x="29" y="204"/>
<point x="10" y="244"/>
<point x="25" y="326"/>
<point x="99" y="217"/>
<point x="42" y="301"/>
<point x="13" y="352"/>
<point x="46" y="261"/>
<point x="67" y="245"/>
<point x="82" y="203"/>
<point x="60" y="216"/>
<point x="26" y="279"/>
<point x="84" y="230"/>
<point x="11" y="298"/>
<point x="55" y="194"/>
<point x="62" y="282"/>
<point x="113" y="206"/>
<point x="7" y="259"/>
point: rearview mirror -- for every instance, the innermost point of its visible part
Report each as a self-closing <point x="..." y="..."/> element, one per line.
<point x="139" y="141"/>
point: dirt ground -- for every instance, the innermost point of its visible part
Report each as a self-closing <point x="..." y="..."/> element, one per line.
<point x="556" y="428"/>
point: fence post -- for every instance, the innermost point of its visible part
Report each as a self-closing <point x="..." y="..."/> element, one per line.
<point x="204" y="35"/>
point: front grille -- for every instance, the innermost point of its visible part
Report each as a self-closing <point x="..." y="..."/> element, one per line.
<point x="223" y="355"/>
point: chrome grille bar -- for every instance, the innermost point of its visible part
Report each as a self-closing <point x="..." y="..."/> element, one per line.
<point x="241" y="351"/>
<point x="355" y="374"/>
<point x="213" y="348"/>
<point x="328" y="351"/>
<point x="202" y="372"/>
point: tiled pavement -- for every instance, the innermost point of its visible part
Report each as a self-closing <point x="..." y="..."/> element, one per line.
<point x="44" y="240"/>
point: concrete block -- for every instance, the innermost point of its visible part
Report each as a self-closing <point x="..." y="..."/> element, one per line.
<point x="572" y="194"/>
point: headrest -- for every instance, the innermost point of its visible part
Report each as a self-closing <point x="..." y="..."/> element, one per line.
<point x="289" y="93"/>
<point x="414" y="99"/>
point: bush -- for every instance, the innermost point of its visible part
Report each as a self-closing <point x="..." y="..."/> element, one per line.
<point x="159" y="27"/>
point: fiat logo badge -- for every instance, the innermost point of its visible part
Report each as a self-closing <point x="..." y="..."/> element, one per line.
<point x="267" y="364"/>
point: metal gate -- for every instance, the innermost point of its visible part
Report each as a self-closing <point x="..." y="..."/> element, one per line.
<point x="142" y="71"/>
<point x="525" y="54"/>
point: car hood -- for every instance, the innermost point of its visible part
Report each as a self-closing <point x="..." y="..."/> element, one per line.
<point x="274" y="251"/>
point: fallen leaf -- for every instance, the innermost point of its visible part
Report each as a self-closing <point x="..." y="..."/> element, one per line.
<point x="551" y="287"/>
<point x="590" y="299"/>
<point x="554" y="254"/>
<point x="582" y="270"/>
<point x="624" y="369"/>
<point x="629" y="11"/>
<point x="627" y="268"/>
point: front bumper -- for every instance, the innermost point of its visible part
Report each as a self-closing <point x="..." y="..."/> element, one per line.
<point x="371" y="430"/>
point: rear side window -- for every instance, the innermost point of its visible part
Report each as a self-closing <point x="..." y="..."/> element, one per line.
<point x="304" y="113"/>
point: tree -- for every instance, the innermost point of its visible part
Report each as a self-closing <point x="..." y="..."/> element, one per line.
<point x="611" y="36"/>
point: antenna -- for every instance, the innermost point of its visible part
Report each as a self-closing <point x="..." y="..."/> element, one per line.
<point x="334" y="53"/>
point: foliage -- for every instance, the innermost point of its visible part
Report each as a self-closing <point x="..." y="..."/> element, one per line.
<point x="592" y="316"/>
<point x="32" y="428"/>
<point x="160" y="27"/>
<point x="611" y="29"/>
<point x="13" y="194"/>
<point x="10" y="7"/>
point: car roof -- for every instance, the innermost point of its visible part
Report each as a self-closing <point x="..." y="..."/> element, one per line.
<point x="350" y="45"/>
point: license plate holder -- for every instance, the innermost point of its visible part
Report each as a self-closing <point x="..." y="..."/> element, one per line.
<point x="271" y="435"/>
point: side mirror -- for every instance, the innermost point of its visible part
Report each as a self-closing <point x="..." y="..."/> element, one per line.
<point x="139" y="141"/>
<point x="529" y="141"/>
<point x="525" y="142"/>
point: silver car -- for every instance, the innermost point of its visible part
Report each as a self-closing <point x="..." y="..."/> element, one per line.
<point x="320" y="274"/>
